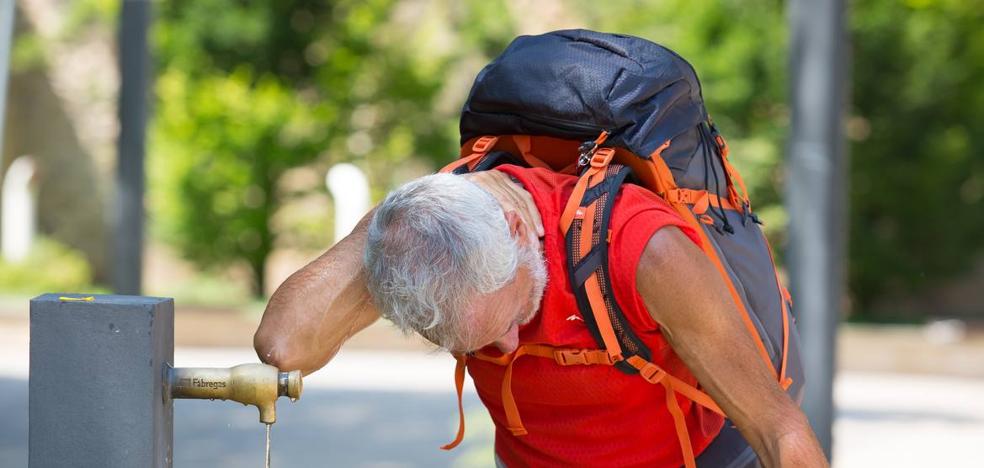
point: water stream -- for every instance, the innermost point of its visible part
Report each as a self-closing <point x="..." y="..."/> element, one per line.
<point x="268" y="445"/>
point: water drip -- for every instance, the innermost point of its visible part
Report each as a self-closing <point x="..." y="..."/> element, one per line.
<point x="268" y="426"/>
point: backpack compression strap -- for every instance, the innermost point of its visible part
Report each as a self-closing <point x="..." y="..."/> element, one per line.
<point x="585" y="223"/>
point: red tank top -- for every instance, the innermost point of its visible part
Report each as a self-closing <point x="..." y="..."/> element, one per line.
<point x="591" y="415"/>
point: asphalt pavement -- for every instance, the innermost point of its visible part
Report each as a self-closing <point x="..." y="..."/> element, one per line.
<point x="395" y="408"/>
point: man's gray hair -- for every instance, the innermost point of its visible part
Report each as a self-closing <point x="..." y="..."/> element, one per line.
<point x="434" y="245"/>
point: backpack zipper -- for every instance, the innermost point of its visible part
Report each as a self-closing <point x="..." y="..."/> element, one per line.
<point x="562" y="124"/>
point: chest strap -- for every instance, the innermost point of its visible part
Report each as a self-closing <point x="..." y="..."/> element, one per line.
<point x="649" y="371"/>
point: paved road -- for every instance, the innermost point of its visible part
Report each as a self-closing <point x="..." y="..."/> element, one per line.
<point x="392" y="409"/>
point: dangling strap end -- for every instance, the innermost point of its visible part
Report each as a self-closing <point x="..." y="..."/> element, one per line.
<point x="459" y="383"/>
<point x="518" y="431"/>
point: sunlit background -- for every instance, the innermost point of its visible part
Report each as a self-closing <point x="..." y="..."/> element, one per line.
<point x="254" y="103"/>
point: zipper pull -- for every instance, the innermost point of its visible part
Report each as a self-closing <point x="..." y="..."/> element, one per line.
<point x="588" y="148"/>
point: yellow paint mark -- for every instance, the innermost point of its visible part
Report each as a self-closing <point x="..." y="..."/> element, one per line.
<point x="77" y="299"/>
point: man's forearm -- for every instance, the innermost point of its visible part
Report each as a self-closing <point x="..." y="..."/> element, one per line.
<point x="317" y="309"/>
<point x="783" y="437"/>
<point x="797" y="448"/>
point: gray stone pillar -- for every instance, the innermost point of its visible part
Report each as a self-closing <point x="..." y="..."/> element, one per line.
<point x="96" y="381"/>
<point x="816" y="195"/>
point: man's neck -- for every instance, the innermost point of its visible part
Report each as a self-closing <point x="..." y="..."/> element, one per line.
<point x="512" y="196"/>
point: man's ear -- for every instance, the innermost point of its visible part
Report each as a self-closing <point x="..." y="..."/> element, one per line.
<point x="516" y="226"/>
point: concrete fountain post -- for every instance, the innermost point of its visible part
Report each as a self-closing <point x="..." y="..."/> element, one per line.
<point x="102" y="382"/>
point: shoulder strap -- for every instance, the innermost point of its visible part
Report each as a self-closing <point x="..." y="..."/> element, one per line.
<point x="585" y="224"/>
<point x="489" y="161"/>
<point x="489" y="151"/>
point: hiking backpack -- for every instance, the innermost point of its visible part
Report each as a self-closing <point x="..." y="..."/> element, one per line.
<point x="610" y="109"/>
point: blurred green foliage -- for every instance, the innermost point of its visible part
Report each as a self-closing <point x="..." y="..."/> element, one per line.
<point x="49" y="266"/>
<point x="221" y="143"/>
<point x="917" y="160"/>
<point x="248" y="90"/>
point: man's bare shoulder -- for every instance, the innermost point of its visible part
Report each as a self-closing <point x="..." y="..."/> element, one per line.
<point x="669" y="251"/>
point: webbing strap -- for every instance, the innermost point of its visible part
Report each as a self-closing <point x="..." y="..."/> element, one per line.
<point x="735" y="176"/>
<point x="513" y="421"/>
<point x="562" y="356"/>
<point x="592" y="177"/>
<point x="571" y="356"/>
<point x="479" y="149"/>
<point x="655" y="374"/>
<point x="680" y="424"/>
<point x="672" y="385"/>
<point x="459" y="384"/>
<point x="587" y="235"/>
<point x="701" y="199"/>
<point x="599" y="309"/>
<point x="784" y="299"/>
<point x="463" y="165"/>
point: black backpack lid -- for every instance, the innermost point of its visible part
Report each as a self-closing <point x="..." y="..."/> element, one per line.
<point x="575" y="83"/>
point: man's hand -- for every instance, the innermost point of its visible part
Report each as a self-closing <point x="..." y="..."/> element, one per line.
<point x="318" y="308"/>
<point x="686" y="295"/>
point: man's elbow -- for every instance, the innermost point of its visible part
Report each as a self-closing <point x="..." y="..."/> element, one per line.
<point x="276" y="348"/>
<point x="267" y="347"/>
<point x="800" y="448"/>
<point x="290" y="351"/>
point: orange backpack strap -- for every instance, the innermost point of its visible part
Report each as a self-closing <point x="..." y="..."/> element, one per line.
<point x="569" y="357"/>
<point x="701" y="199"/>
<point x="487" y="152"/>
<point x="585" y="223"/>
<point x="672" y="385"/>
<point x="459" y="385"/>
<point x="479" y="148"/>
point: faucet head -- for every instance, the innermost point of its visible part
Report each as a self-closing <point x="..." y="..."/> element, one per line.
<point x="290" y="384"/>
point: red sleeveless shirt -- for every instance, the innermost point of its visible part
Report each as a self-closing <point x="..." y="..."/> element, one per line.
<point x="591" y="415"/>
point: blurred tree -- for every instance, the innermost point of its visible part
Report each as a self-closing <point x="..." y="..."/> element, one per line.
<point x="248" y="90"/>
<point x="917" y="170"/>
<point x="380" y="82"/>
<point x="220" y="144"/>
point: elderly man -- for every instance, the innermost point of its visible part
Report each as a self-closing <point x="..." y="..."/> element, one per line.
<point x="589" y="348"/>
<point x="474" y="261"/>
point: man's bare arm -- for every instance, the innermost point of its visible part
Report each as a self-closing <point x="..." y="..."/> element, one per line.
<point x="686" y="295"/>
<point x="318" y="308"/>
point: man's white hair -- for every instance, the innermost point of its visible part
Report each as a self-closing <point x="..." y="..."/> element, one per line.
<point x="434" y="244"/>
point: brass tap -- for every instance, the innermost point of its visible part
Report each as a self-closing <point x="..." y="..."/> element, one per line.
<point x="250" y="384"/>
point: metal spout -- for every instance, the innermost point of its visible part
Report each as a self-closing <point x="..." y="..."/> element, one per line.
<point x="250" y="384"/>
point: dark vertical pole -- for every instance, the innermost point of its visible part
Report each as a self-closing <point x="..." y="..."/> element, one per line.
<point x="6" y="37"/>
<point x="129" y="219"/>
<point x="816" y="194"/>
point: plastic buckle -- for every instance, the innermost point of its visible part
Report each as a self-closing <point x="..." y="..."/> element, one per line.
<point x="652" y="373"/>
<point x="602" y="157"/>
<point x="718" y="139"/>
<point x="571" y="357"/>
<point x="685" y="197"/>
<point x="722" y="145"/>
<point x="484" y="144"/>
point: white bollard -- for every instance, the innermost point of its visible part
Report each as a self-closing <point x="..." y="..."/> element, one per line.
<point x="350" y="190"/>
<point x="17" y="227"/>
